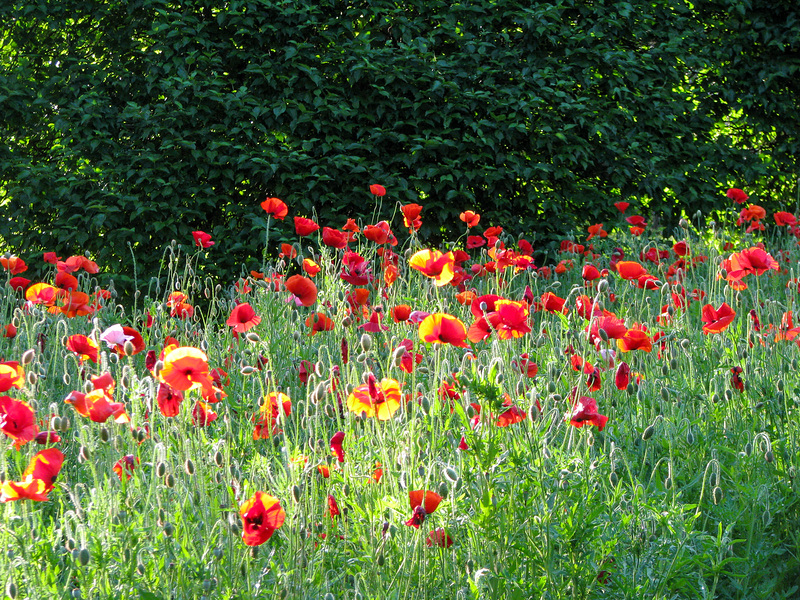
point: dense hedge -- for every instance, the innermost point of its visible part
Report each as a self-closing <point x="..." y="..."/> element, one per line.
<point x="135" y="122"/>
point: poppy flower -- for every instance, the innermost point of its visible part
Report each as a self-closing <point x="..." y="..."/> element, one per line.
<point x="261" y="516"/>
<point x="275" y="207"/>
<point x="377" y="190"/>
<point x="319" y="321"/>
<point x="441" y="328"/>
<point x="630" y="269"/>
<point x="334" y="238"/>
<point x="50" y="258"/>
<point x="96" y="406"/>
<point x="13" y="264"/>
<point x="202" y="414"/>
<point x="622" y="206"/>
<point x="471" y="218"/>
<point x="379" y="399"/>
<point x="304" y="226"/>
<point x="186" y="368"/>
<point x="178" y="305"/>
<point x="202" y="239"/>
<point x="17" y="420"/>
<point x="85" y="348"/>
<point x="169" y="400"/>
<point x="438" y="538"/>
<point x="783" y="218"/>
<point x="336" y="445"/>
<point x="717" y="320"/>
<point x="475" y="241"/>
<point x="303" y="288"/>
<point x="552" y="304"/>
<point x="37" y="479"/>
<point x="266" y="421"/>
<point x="411" y="218"/>
<point x="752" y="261"/>
<point x="422" y="504"/>
<point x="737" y="195"/>
<point x="136" y="342"/>
<point x="311" y="267"/>
<point x="636" y="221"/>
<point x="435" y="265"/>
<point x="635" y="339"/>
<point x="401" y="313"/>
<point x="680" y="248"/>
<point x="511" y="415"/>
<point x="333" y="507"/>
<point x="11" y="375"/>
<point x="585" y="412"/>
<point x="622" y="377"/>
<point x="596" y="230"/>
<point x="526" y="366"/>
<point x="125" y="466"/>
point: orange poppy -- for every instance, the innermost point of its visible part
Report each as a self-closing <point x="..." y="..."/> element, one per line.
<point x="275" y="207"/>
<point x="96" y="406"/>
<point x="635" y="339"/>
<point x="469" y="217"/>
<point x="266" y="421"/>
<point x="401" y="313"/>
<point x="41" y="293"/>
<point x="169" y="400"/>
<point x="630" y="269"/>
<point x="261" y="516"/>
<point x="596" y="230"/>
<point x="11" y="375"/>
<point x="37" y="479"/>
<point x="752" y="261"/>
<point x="13" y="264"/>
<point x="186" y="368"/>
<point x="376" y="399"/>
<point x="311" y="267"/>
<point x="411" y="217"/>
<point x="303" y="288"/>
<point x="125" y="466"/>
<point x="441" y="328"/>
<point x="319" y="321"/>
<point x="434" y="264"/>
<point x="377" y="190"/>
<point x="178" y="305"/>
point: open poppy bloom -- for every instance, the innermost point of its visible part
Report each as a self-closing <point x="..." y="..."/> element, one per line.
<point x="411" y="218"/>
<point x="333" y="507"/>
<point x="441" y="328"/>
<point x="178" y="305"/>
<point x="377" y="190"/>
<point x="37" y="479"/>
<point x="303" y="288"/>
<point x="202" y="414"/>
<point x="622" y="206"/>
<point x="77" y="262"/>
<point x="635" y="339"/>
<point x="96" y="406"/>
<point x="585" y="412"/>
<point x="337" y="441"/>
<point x="186" y="368"/>
<point x="169" y="400"/>
<point x="470" y="217"/>
<point x="275" y="207"/>
<point x="319" y="321"/>
<point x="261" y="516"/>
<point x="17" y="420"/>
<point x="304" y="226"/>
<point x="784" y="219"/>
<point x="334" y="238"/>
<point x="243" y="318"/>
<point x="202" y="239"/>
<point x="85" y="348"/>
<point x="125" y="466"/>
<point x="434" y="264"/>
<point x="630" y="269"/>
<point x="737" y="195"/>
<point x="379" y="399"/>
<point x="11" y="375"/>
<point x="266" y="421"/>
<point x="596" y="230"/>
<point x="422" y="504"/>
<point x="438" y="538"/>
<point x="752" y="261"/>
<point x="622" y="377"/>
<point x="717" y="320"/>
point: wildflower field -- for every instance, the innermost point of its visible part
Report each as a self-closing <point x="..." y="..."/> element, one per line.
<point x="360" y="415"/>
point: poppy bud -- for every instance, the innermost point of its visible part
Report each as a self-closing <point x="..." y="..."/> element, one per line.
<point x="648" y="432"/>
<point x="717" y="495"/>
<point x="28" y="356"/>
<point x="366" y="342"/>
<point x="189" y="467"/>
<point x="104" y="435"/>
<point x="668" y="483"/>
<point x="689" y="437"/>
<point x="769" y="456"/>
<point x="297" y="493"/>
<point x="55" y="423"/>
<point x="11" y="590"/>
<point x="169" y="481"/>
<point x="84" y="557"/>
<point x="157" y="368"/>
<point x="140" y="569"/>
<point x="252" y="337"/>
<point x="169" y="529"/>
<point x="83" y="454"/>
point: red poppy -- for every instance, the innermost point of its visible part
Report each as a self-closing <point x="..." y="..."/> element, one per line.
<point x="304" y="226"/>
<point x="334" y="238"/>
<point x="266" y="421"/>
<point x="125" y="466"/>
<point x="636" y="221"/>
<point x="680" y="248"/>
<point x="441" y="328"/>
<point x="17" y="420"/>
<point x="752" y="261"/>
<point x="11" y="375"/>
<point x="13" y="264"/>
<point x="333" y="507"/>
<point x="737" y="195"/>
<point x="73" y="304"/>
<point x="85" y="348"/>
<point x="596" y="230"/>
<point x="37" y="479"/>
<point x="202" y="239"/>
<point x="635" y="339"/>
<point x="585" y="412"/>
<point x="96" y="406"/>
<point x="630" y="269"/>
<point x="303" y="288"/>
<point x="471" y="218"/>
<point x="401" y="312"/>
<point x="379" y="399"/>
<point x="311" y="267"/>
<point x="243" y="318"/>
<point x="336" y="445"/>
<point x="623" y="376"/>
<point x="783" y="218"/>
<point x="203" y="414"/>
<point x="475" y="241"/>
<point x="319" y="321"/>
<point x="275" y="207"/>
<point x="422" y="504"/>
<point x="717" y="319"/>
<point x="622" y="206"/>
<point x="434" y="264"/>
<point x="438" y="538"/>
<point x="526" y="366"/>
<point x="178" y="305"/>
<point x="511" y="415"/>
<point x="377" y="190"/>
<point x="411" y="218"/>
<point x="169" y="400"/>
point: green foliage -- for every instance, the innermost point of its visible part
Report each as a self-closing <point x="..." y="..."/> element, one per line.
<point x="128" y="124"/>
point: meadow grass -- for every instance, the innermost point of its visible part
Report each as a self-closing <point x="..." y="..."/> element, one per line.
<point x="689" y="491"/>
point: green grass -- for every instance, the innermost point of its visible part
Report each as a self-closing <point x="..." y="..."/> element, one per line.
<point x="690" y="491"/>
